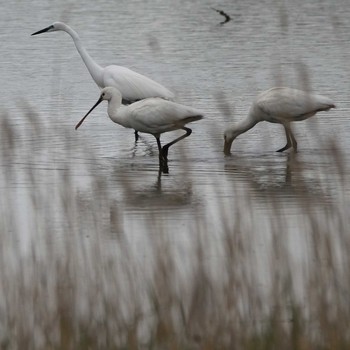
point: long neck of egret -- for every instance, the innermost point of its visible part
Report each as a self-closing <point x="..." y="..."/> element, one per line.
<point x="94" y="69"/>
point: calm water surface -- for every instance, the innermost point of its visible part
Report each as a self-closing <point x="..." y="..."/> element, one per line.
<point x="215" y="68"/>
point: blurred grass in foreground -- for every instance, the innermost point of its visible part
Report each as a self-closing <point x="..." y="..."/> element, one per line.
<point x="66" y="284"/>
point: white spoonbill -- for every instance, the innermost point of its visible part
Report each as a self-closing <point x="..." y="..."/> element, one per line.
<point x="152" y="116"/>
<point x="133" y="86"/>
<point x="280" y="105"/>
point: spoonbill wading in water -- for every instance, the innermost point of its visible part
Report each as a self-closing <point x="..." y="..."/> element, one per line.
<point x="153" y="116"/>
<point x="280" y="105"/>
<point x="133" y="86"/>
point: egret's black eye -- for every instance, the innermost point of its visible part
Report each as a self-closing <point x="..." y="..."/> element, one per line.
<point x="103" y="94"/>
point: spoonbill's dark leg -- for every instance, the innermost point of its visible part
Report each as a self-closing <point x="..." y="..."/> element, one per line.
<point x="159" y="147"/>
<point x="136" y="136"/>
<point x="164" y="166"/>
<point x="294" y="141"/>
<point x="166" y="147"/>
<point x="163" y="160"/>
<point x="289" y="139"/>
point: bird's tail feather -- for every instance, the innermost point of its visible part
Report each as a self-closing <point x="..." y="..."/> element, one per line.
<point x="327" y="107"/>
<point x="325" y="103"/>
<point x="193" y="118"/>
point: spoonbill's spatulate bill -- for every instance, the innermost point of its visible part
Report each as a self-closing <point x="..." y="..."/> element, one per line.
<point x="133" y="86"/>
<point x="153" y="116"/>
<point x="279" y="105"/>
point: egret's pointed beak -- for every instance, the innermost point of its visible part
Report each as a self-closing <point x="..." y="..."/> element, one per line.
<point x="95" y="105"/>
<point x="227" y="147"/>
<point x="43" y="30"/>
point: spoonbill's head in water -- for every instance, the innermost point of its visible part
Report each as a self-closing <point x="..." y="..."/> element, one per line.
<point x="229" y="137"/>
<point x="106" y="95"/>
<point x="52" y="28"/>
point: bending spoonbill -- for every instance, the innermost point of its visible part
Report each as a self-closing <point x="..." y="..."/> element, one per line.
<point x="133" y="86"/>
<point x="153" y="116"/>
<point x="279" y="105"/>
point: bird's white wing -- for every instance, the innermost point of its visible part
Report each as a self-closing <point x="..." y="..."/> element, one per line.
<point x="133" y="86"/>
<point x="290" y="104"/>
<point x="155" y="115"/>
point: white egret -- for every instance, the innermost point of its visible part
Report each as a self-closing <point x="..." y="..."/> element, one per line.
<point x="279" y="105"/>
<point x="133" y="86"/>
<point x="153" y="116"/>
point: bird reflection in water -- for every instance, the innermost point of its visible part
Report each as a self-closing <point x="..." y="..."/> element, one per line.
<point x="288" y="175"/>
<point x="162" y="192"/>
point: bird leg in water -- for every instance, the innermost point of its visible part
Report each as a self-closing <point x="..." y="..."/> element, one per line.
<point x="291" y="141"/>
<point x="159" y="148"/>
<point x="163" y="160"/>
<point x="164" y="167"/>
<point x="136" y="136"/>
<point x="166" y="147"/>
<point x="294" y="141"/>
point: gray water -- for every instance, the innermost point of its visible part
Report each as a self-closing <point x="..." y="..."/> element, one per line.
<point x="216" y="68"/>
